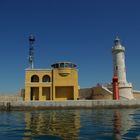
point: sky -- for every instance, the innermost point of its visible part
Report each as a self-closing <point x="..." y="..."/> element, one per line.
<point x="80" y="31"/>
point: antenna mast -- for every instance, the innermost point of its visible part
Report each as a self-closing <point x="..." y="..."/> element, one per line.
<point x="31" y="51"/>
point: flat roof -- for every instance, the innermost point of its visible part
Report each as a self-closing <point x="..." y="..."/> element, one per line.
<point x="29" y="69"/>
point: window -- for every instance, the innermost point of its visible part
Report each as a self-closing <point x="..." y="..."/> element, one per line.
<point x="62" y="65"/>
<point x="34" y="78"/>
<point x="67" y="65"/>
<point x="46" y="78"/>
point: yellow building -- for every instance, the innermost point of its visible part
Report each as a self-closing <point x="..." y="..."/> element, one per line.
<point x="58" y="83"/>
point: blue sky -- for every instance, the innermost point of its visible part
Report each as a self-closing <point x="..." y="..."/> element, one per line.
<point x="81" y="31"/>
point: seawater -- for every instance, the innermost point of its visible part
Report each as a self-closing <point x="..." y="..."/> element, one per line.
<point x="72" y="124"/>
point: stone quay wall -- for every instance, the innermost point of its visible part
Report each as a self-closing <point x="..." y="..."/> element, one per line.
<point x="93" y="104"/>
<point x="10" y="98"/>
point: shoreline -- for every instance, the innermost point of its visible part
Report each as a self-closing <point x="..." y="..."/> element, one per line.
<point x="69" y="104"/>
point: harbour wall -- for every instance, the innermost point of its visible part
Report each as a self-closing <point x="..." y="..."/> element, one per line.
<point x="100" y="93"/>
<point x="70" y="104"/>
<point x="10" y="98"/>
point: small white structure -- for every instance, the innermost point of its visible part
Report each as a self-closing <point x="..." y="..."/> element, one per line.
<point x="125" y="88"/>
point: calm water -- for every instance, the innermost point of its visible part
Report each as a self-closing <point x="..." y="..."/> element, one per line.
<point x="80" y="124"/>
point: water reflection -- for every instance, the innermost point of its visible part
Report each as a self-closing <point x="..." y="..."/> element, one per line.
<point x="117" y="124"/>
<point x="83" y="124"/>
<point x="123" y="122"/>
<point x="60" y="123"/>
<point x="79" y="124"/>
<point x="107" y="123"/>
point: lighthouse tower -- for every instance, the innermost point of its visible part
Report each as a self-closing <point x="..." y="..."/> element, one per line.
<point x="125" y="88"/>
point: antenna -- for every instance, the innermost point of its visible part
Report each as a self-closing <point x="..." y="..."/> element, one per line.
<point x="31" y="51"/>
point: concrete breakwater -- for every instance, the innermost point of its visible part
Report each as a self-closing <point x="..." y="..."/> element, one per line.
<point x="32" y="105"/>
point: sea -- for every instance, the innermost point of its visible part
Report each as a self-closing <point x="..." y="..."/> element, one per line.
<point x="71" y="124"/>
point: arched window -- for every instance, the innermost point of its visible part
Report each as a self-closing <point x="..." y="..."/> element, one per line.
<point x="46" y="78"/>
<point x="34" y="78"/>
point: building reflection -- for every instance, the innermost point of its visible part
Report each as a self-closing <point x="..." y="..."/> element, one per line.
<point x="72" y="124"/>
<point x="58" y="123"/>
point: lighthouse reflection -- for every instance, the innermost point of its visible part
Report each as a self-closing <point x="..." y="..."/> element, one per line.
<point x="117" y="125"/>
<point x="123" y="122"/>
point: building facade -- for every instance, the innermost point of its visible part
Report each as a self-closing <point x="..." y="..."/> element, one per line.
<point x="58" y="83"/>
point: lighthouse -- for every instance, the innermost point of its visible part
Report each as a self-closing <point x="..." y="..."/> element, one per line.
<point x="119" y="69"/>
